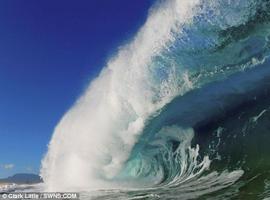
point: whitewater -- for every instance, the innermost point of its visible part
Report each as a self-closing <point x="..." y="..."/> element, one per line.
<point x="159" y="121"/>
<point x="113" y="110"/>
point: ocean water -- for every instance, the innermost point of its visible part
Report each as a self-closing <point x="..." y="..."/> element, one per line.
<point x="180" y="112"/>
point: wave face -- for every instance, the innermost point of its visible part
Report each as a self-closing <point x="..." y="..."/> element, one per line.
<point x="177" y="112"/>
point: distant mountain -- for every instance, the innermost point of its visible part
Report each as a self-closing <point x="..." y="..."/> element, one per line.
<point x="22" y="178"/>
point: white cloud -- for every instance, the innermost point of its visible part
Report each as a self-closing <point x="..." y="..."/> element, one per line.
<point x="29" y="169"/>
<point x="8" y="166"/>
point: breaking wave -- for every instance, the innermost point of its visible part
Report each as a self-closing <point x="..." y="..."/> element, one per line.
<point x="174" y="113"/>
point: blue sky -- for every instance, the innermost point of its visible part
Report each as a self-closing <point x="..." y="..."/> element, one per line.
<point x="49" y="51"/>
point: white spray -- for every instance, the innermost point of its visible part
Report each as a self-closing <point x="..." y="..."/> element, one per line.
<point x="95" y="137"/>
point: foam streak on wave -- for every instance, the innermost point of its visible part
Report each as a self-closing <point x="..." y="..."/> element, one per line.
<point x="94" y="138"/>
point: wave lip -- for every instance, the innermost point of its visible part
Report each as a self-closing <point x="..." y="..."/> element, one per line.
<point x="117" y="135"/>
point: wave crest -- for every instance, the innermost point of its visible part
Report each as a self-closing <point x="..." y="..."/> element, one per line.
<point x="184" y="45"/>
